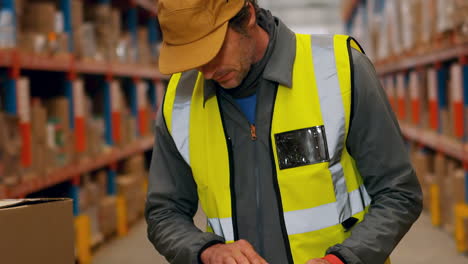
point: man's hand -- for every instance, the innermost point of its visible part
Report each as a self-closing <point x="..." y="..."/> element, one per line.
<point x="239" y="252"/>
<point x="317" y="261"/>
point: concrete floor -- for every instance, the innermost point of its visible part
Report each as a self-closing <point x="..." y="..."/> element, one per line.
<point x="422" y="245"/>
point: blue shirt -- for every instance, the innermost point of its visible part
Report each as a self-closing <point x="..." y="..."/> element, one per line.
<point x="248" y="105"/>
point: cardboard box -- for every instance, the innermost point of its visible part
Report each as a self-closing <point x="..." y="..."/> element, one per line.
<point x="93" y="214"/>
<point x="421" y="166"/>
<point x="427" y="197"/>
<point x="447" y="198"/>
<point x="59" y="107"/>
<point x="39" y="17"/>
<point x="459" y="185"/>
<point x="101" y="181"/>
<point x="107" y="216"/>
<point x="58" y="110"/>
<point x="131" y="188"/>
<point x="144" y="52"/>
<point x="440" y="169"/>
<point x="10" y="149"/>
<point x="135" y="164"/>
<point x="39" y="137"/>
<point x="37" y="231"/>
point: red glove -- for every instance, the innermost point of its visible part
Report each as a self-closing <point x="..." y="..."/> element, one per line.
<point x="333" y="259"/>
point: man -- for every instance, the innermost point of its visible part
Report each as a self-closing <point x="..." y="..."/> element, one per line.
<point x="287" y="141"/>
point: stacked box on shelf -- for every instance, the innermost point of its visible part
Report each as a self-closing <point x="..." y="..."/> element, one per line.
<point x="422" y="94"/>
<point x="128" y="123"/>
<point x="90" y="197"/>
<point x="42" y="153"/>
<point x="421" y="161"/>
<point x="95" y="136"/>
<point x="144" y="52"/>
<point x="460" y="20"/>
<point x="76" y="25"/>
<point x="108" y="215"/>
<point x="10" y="150"/>
<point x="130" y="187"/>
<point x="136" y="165"/>
<point x="102" y="30"/>
<point x="412" y="26"/>
<point x="58" y="113"/>
<point x="107" y="212"/>
<point x="42" y="28"/>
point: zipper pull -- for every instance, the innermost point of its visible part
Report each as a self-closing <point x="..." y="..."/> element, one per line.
<point x="253" y="132"/>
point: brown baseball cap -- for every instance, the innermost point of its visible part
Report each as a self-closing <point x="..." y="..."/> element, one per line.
<point x="193" y="31"/>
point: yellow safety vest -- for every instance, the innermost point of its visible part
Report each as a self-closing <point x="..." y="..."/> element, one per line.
<point x="316" y="198"/>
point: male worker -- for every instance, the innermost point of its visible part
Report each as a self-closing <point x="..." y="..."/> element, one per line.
<point x="287" y="141"/>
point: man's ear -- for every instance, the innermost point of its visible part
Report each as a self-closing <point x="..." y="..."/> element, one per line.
<point x="253" y="17"/>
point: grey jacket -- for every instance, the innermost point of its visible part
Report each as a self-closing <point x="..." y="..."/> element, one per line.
<point x="374" y="141"/>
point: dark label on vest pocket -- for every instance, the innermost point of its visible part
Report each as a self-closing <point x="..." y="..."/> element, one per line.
<point x="302" y="147"/>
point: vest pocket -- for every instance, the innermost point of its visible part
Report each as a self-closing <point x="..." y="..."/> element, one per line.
<point x="302" y="147"/>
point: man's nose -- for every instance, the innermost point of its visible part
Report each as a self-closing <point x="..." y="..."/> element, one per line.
<point x="208" y="70"/>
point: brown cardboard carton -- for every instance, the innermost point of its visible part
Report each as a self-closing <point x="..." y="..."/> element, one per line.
<point x="440" y="168"/>
<point x="459" y="186"/>
<point x="84" y="199"/>
<point x="38" y="121"/>
<point x="93" y="213"/>
<point x="32" y="42"/>
<point x="101" y="16"/>
<point x="144" y="53"/>
<point x="131" y="188"/>
<point x="430" y="179"/>
<point x="448" y="202"/>
<point x="135" y="164"/>
<point x="101" y="181"/>
<point x="39" y="137"/>
<point x="59" y="107"/>
<point x="39" y="17"/>
<point x="421" y="166"/>
<point x="95" y="193"/>
<point x="10" y="149"/>
<point x="77" y="13"/>
<point x="37" y="231"/>
<point x="107" y="215"/>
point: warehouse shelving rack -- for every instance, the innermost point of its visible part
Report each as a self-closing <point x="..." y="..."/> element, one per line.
<point x="13" y="61"/>
<point x="454" y="147"/>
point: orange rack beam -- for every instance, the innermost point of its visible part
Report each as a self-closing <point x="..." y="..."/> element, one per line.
<point x="65" y="63"/>
<point x="75" y="169"/>
<point x="451" y="147"/>
<point x="442" y="55"/>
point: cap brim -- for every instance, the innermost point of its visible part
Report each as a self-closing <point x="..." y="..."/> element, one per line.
<point x="180" y="58"/>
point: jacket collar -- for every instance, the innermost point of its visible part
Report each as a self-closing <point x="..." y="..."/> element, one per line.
<point x="279" y="67"/>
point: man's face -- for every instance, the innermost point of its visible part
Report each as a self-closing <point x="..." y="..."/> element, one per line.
<point x="233" y="62"/>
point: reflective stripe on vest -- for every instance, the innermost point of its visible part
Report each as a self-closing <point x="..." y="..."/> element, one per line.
<point x="301" y="221"/>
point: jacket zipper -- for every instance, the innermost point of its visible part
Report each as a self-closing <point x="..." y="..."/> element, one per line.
<point x="253" y="132"/>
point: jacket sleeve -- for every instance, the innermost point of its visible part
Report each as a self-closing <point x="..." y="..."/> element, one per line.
<point x="376" y="144"/>
<point x="172" y="201"/>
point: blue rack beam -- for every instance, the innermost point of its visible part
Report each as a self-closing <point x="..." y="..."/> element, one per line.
<point x="66" y="7"/>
